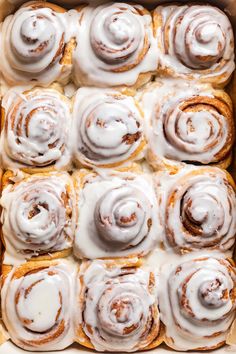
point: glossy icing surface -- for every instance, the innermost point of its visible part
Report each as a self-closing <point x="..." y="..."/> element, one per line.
<point x="118" y="39"/>
<point x="41" y="316"/>
<point x="185" y="122"/>
<point x="33" y="41"/>
<point x="195" y="41"/>
<point x="196" y="209"/>
<point x="36" y="130"/>
<point x="197" y="301"/>
<point x="37" y="216"/>
<point x="116" y="216"/>
<point x="119" y="309"/>
<point x="108" y="127"/>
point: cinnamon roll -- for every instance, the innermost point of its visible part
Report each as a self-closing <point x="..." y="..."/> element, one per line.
<point x="197" y="209"/>
<point x="36" y="45"/>
<point x="118" y="40"/>
<point x="37" y="305"/>
<point x="195" y="42"/>
<point x="36" y="128"/>
<point x="108" y="128"/>
<point x="187" y="123"/>
<point x="119" y="308"/>
<point x="37" y="215"/>
<point x="116" y="215"/>
<point x="197" y="302"/>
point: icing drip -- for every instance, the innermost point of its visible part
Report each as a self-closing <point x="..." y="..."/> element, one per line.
<point x="197" y="209"/>
<point x="116" y="217"/>
<point x="107" y="127"/>
<point x="120" y="309"/>
<point x="197" y="302"/>
<point x="37" y="215"/>
<point x="36" y="307"/>
<point x="118" y="39"/>
<point x="37" y="126"/>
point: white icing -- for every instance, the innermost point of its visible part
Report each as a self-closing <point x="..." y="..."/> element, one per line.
<point x="107" y="127"/>
<point x="36" y="130"/>
<point x="32" y="46"/>
<point x="199" y="315"/>
<point x="116" y="217"/>
<point x="51" y="228"/>
<point x="196" y="40"/>
<point x="197" y="209"/>
<point x="113" y="37"/>
<point x="159" y="257"/>
<point x="70" y="90"/>
<point x="174" y="131"/>
<point x="129" y="290"/>
<point x="37" y="305"/>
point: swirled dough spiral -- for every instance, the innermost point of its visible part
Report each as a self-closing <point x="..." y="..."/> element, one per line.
<point x="37" y="127"/>
<point x="116" y="216"/>
<point x="33" y="43"/>
<point x="118" y="40"/>
<point x="195" y="41"/>
<point x="37" y="215"/>
<point x="119" y="308"/>
<point x="197" y="208"/>
<point x="186" y="123"/>
<point x="37" y="300"/>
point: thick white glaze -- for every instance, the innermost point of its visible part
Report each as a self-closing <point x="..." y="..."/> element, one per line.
<point x="117" y="216"/>
<point x="176" y="132"/>
<point x="37" y="308"/>
<point x="119" y="308"/>
<point x="197" y="209"/>
<point x="113" y="36"/>
<point x="196" y="300"/>
<point x="33" y="41"/>
<point x="107" y="127"/>
<point x="34" y="217"/>
<point x="36" y="130"/>
<point x="196" y="42"/>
